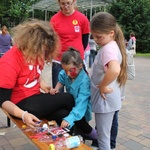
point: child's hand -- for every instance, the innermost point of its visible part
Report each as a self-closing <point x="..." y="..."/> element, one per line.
<point x="64" y="124"/>
<point x="53" y="91"/>
<point x="104" y="90"/>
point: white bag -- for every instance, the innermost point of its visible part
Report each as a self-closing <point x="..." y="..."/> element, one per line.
<point x="130" y="66"/>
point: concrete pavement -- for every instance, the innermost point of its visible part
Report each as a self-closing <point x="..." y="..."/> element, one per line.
<point x="134" y="117"/>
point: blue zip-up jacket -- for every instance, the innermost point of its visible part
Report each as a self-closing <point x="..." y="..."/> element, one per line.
<point x="80" y="89"/>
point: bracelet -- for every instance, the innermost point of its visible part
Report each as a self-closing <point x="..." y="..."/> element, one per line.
<point x="23" y="116"/>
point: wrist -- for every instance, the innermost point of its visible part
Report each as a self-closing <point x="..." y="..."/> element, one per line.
<point x="23" y="114"/>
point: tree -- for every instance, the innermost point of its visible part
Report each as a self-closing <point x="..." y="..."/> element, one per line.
<point x="133" y="15"/>
<point x="15" y="11"/>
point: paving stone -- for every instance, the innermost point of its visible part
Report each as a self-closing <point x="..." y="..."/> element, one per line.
<point x="144" y="148"/>
<point x="1" y="148"/>
<point x="8" y="147"/>
<point x="134" y="122"/>
<point x="3" y="141"/>
<point x="146" y="142"/>
<point x="28" y="147"/>
<point x="17" y="142"/>
<point x="133" y="145"/>
<point x="134" y="132"/>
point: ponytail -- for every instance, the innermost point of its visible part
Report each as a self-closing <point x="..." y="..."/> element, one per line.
<point x="119" y="38"/>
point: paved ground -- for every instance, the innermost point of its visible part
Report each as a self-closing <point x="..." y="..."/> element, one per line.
<point x="134" y="117"/>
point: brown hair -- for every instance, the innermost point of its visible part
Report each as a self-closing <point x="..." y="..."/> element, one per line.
<point x="4" y="31"/>
<point x="132" y="34"/>
<point x="104" y="22"/>
<point x="4" y="27"/>
<point x="37" y="40"/>
<point x="71" y="56"/>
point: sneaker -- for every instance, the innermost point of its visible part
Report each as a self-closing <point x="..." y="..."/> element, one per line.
<point x="113" y="149"/>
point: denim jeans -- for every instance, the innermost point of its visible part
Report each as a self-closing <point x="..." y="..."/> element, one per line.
<point x="56" y="68"/>
<point x="92" y="57"/>
<point x="86" y="58"/>
<point x="114" y="130"/>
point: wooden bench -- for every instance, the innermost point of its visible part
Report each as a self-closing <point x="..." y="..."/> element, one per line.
<point x="40" y="145"/>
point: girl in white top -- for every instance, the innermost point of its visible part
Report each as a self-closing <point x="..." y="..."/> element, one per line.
<point x="108" y="74"/>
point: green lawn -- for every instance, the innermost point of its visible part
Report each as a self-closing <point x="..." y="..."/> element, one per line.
<point x="143" y="54"/>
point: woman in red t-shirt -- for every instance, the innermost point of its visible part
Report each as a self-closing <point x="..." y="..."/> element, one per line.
<point x="20" y="81"/>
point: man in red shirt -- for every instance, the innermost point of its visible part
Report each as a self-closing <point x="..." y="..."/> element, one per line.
<point x="73" y="29"/>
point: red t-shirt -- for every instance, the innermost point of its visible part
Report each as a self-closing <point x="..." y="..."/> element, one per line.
<point x="16" y="74"/>
<point x="70" y="30"/>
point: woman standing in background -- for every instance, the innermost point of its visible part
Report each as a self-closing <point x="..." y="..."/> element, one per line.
<point x="5" y="40"/>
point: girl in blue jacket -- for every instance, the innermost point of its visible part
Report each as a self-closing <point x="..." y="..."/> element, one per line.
<point x="77" y="83"/>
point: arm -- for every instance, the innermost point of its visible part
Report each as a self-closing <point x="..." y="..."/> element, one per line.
<point x="56" y="89"/>
<point x="43" y="85"/>
<point x="81" y="104"/>
<point x="14" y="110"/>
<point x="85" y="38"/>
<point x="113" y="70"/>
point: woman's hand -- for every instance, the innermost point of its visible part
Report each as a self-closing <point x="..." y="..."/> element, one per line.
<point x="26" y="117"/>
<point x="64" y="124"/>
<point x="31" y="120"/>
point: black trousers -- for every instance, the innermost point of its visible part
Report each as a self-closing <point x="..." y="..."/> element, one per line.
<point x="52" y="107"/>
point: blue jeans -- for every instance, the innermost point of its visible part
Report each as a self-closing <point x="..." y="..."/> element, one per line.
<point x="114" y="130"/>
<point x="92" y="57"/>
<point x="56" y="68"/>
<point x="86" y="58"/>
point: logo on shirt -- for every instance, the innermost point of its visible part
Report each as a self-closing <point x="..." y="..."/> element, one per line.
<point x="30" y="82"/>
<point x="77" y="28"/>
<point x="74" y="22"/>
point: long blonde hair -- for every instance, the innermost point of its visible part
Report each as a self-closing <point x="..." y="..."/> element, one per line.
<point x="104" y="22"/>
<point x="37" y="40"/>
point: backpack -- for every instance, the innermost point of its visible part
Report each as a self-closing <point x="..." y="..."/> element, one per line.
<point x="130" y="66"/>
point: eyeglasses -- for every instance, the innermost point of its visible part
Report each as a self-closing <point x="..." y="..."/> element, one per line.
<point x="66" y="4"/>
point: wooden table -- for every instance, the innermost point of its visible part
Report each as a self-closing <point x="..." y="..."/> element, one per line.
<point x="41" y="145"/>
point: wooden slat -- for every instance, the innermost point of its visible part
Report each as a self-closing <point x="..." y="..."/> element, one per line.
<point x="41" y="145"/>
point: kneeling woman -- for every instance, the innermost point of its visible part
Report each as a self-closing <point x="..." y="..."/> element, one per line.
<point x="34" y="43"/>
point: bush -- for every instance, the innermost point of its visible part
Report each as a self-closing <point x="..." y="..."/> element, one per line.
<point x="133" y="15"/>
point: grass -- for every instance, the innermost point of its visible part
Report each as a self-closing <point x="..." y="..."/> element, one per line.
<point x="143" y="55"/>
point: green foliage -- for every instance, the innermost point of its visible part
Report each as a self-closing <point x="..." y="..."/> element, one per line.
<point x="15" y="11"/>
<point x="134" y="15"/>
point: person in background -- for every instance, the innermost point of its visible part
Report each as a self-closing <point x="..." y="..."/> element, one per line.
<point x="92" y="44"/>
<point x="106" y="82"/>
<point x="131" y="45"/>
<point x="77" y="83"/>
<point x="86" y="56"/>
<point x="5" y="40"/>
<point x="34" y="43"/>
<point x="73" y="29"/>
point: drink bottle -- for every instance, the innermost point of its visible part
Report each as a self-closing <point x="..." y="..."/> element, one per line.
<point x="70" y="142"/>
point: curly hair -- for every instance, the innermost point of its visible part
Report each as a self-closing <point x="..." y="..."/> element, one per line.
<point x="37" y="40"/>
